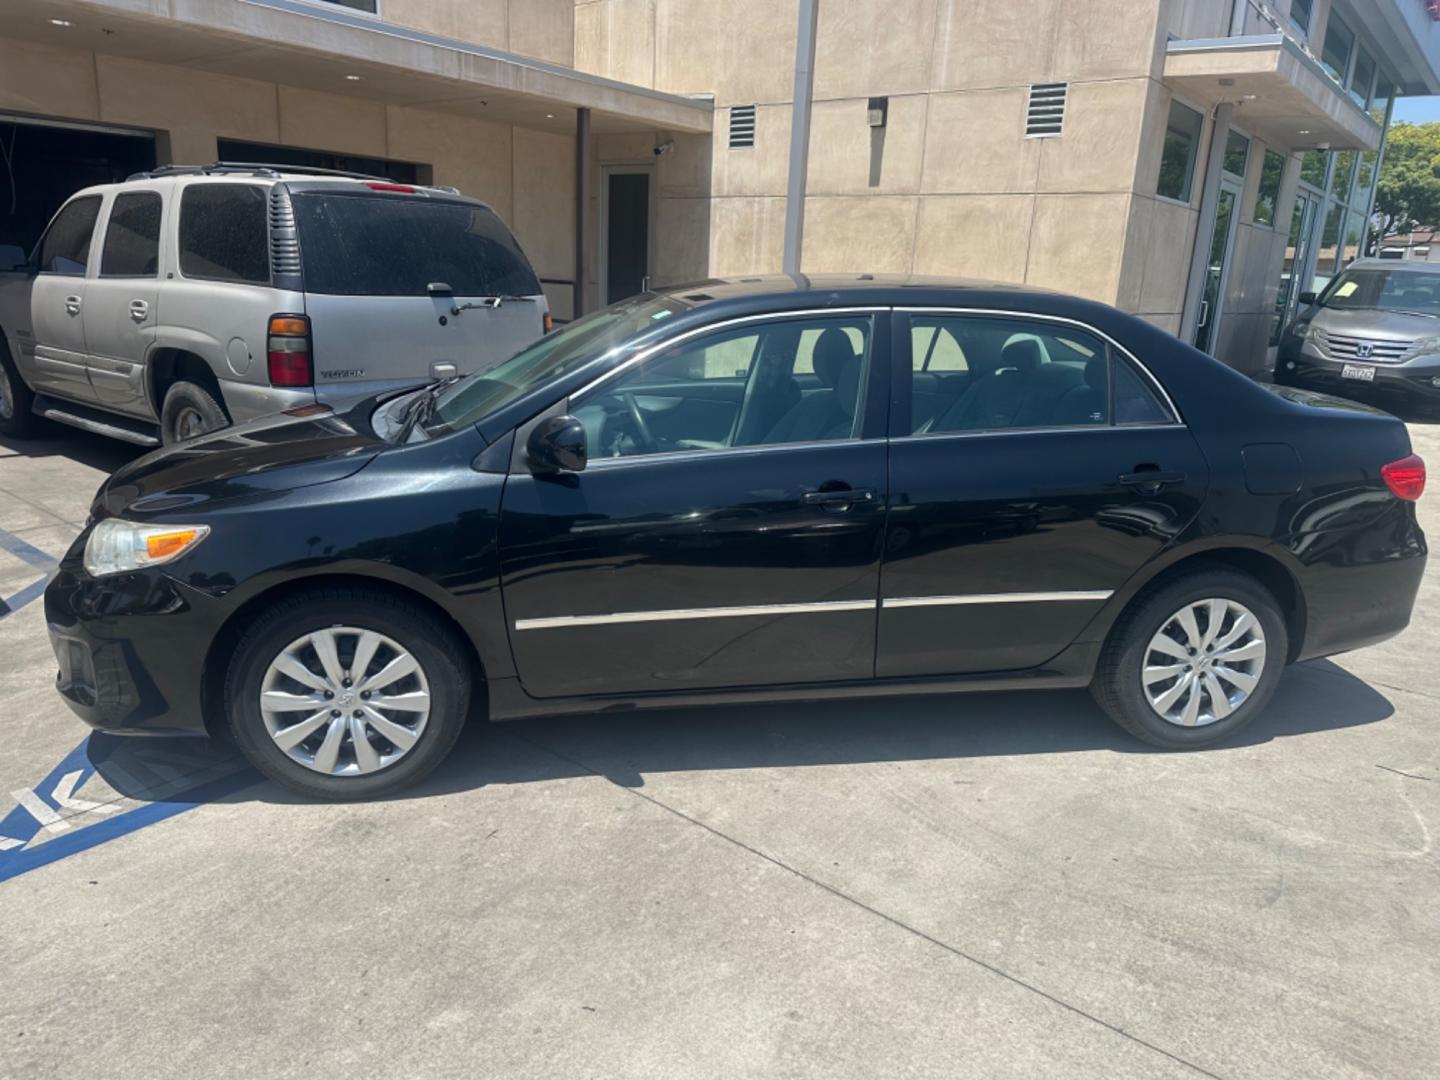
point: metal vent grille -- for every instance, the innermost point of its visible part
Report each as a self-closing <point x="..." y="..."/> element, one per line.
<point x="284" y="241"/>
<point x="1046" y="114"/>
<point x="742" y="126"/>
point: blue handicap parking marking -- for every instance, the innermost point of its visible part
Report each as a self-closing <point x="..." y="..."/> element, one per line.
<point x="149" y="781"/>
<point x="32" y="555"/>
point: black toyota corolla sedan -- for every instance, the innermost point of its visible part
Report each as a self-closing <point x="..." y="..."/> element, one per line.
<point x="741" y="491"/>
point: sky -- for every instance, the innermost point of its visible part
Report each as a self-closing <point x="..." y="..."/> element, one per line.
<point x="1417" y="110"/>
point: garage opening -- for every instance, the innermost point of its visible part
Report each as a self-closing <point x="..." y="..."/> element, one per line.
<point x="43" y="163"/>
<point x="402" y="172"/>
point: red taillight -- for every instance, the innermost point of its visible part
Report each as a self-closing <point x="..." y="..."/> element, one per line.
<point x="549" y="323"/>
<point x="404" y="189"/>
<point x="288" y="351"/>
<point x="1406" y="477"/>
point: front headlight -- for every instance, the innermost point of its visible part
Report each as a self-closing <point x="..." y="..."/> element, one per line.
<point x="1304" y="331"/>
<point x="117" y="545"/>
<point x="1423" y="347"/>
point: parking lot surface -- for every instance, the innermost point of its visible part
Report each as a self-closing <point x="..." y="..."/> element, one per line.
<point x="987" y="885"/>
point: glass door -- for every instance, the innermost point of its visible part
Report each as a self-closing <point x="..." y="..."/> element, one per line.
<point x="1217" y="268"/>
<point x="1297" y="257"/>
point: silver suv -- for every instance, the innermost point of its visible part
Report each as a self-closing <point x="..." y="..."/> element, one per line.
<point x="1376" y="326"/>
<point x="189" y="298"/>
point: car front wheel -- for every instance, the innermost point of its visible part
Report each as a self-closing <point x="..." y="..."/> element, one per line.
<point x="1193" y="661"/>
<point x="346" y="694"/>
<point x="16" y="419"/>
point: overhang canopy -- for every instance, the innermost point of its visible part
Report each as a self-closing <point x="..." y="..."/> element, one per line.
<point x="1280" y="94"/>
<point x="319" y="46"/>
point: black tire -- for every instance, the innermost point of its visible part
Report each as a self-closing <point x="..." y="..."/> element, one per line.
<point x="441" y="658"/>
<point x="16" y="419"/>
<point x="189" y="410"/>
<point x="1117" y="685"/>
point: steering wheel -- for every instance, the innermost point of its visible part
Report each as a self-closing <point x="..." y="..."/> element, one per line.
<point x="643" y="435"/>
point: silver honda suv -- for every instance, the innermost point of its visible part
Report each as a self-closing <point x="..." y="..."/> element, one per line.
<point x="192" y="297"/>
<point x="1377" y="327"/>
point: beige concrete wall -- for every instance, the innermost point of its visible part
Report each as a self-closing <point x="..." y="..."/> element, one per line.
<point x="527" y="176"/>
<point x="541" y="28"/>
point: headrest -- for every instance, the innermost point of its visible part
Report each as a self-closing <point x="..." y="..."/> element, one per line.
<point x="832" y="351"/>
<point x="1023" y="354"/>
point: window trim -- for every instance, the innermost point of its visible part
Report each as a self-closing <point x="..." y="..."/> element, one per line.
<point x="264" y="189"/>
<point x="97" y="198"/>
<point x="330" y="5"/>
<point x="100" y="274"/>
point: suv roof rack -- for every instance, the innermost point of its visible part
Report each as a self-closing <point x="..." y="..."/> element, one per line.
<point x="253" y="168"/>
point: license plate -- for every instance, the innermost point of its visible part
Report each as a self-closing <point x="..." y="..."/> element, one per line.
<point x="1358" y="371"/>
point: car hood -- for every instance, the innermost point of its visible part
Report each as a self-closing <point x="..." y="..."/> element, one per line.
<point x="295" y="449"/>
<point x="1377" y="325"/>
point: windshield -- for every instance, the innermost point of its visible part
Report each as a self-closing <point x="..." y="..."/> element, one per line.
<point x="1412" y="291"/>
<point x="390" y="245"/>
<point x="553" y="356"/>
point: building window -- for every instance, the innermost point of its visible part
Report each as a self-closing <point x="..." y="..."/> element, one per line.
<point x="1339" y="44"/>
<point x="1300" y="17"/>
<point x="1362" y="79"/>
<point x="1380" y="101"/>
<point x="1313" y="168"/>
<point x="1177" y="160"/>
<point x="1344" y="174"/>
<point x="1269" y="194"/>
<point x="1237" y="153"/>
<point x="370" y="7"/>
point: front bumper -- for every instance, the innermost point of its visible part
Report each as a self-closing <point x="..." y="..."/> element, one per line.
<point x="131" y="650"/>
<point x="1416" y="380"/>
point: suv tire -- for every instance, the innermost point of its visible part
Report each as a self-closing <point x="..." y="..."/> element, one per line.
<point x="1240" y="661"/>
<point x="290" y="638"/>
<point x="189" y="411"/>
<point x="16" y="399"/>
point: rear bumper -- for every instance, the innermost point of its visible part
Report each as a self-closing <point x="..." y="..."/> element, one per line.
<point x="247" y="401"/>
<point x="131" y="650"/>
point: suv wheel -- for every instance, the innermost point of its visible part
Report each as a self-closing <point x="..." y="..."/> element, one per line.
<point x="1194" y="661"/>
<point x="346" y="694"/>
<point x="16" y="399"/>
<point x="189" y="410"/>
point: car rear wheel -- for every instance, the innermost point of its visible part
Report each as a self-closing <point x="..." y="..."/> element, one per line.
<point x="16" y="419"/>
<point x="1192" y="662"/>
<point x="346" y="694"/>
<point x="189" y="410"/>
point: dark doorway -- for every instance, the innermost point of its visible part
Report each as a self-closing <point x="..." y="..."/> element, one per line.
<point x="627" y="233"/>
<point x="42" y="165"/>
<point x="402" y="172"/>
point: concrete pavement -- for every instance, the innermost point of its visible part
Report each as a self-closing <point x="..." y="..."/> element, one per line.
<point x="988" y="885"/>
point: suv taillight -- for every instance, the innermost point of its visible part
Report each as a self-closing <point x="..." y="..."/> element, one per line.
<point x="288" y="350"/>
<point x="1406" y="477"/>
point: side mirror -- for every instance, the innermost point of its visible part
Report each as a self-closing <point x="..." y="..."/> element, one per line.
<point x="13" y="258"/>
<point x="558" y="445"/>
<point x="1308" y="297"/>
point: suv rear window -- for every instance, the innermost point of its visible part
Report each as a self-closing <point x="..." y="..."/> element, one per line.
<point x="224" y="235"/>
<point x="394" y="245"/>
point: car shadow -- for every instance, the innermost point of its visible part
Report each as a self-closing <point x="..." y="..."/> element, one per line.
<point x="625" y="748"/>
<point x="84" y="447"/>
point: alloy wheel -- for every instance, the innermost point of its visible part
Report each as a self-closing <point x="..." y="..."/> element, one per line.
<point x="345" y="701"/>
<point x="1203" y="663"/>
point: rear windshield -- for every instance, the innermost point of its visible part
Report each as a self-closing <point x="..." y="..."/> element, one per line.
<point x="397" y="245"/>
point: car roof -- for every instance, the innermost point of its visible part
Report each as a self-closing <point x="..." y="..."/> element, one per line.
<point x="167" y="177"/>
<point x="1403" y="265"/>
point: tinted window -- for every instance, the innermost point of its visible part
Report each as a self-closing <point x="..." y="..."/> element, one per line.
<point x="1135" y="401"/>
<point x="65" y="248"/>
<point x="1339" y="41"/>
<point x="1300" y="16"/>
<point x="132" y="238"/>
<point x="1020" y="374"/>
<point x="1237" y="153"/>
<point x="738" y="387"/>
<point x="1177" y="159"/>
<point x="1385" y="290"/>
<point x="224" y="234"/>
<point x="396" y="245"/>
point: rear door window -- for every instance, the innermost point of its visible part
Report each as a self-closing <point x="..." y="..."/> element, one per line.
<point x="398" y="245"/>
<point x="132" y="238"/>
<point x="65" y="248"/>
<point x="224" y="233"/>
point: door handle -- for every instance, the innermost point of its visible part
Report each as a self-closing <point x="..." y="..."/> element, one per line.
<point x="139" y="310"/>
<point x="72" y="305"/>
<point x="1150" y="481"/>
<point x="1204" y="314"/>
<point x="838" y="498"/>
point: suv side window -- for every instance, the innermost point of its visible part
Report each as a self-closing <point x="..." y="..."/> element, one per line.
<point x="224" y="234"/>
<point x="132" y="237"/>
<point x="65" y="247"/>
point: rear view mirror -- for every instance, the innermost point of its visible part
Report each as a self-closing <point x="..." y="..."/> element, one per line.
<point x="1307" y="298"/>
<point x="558" y="445"/>
<point x="13" y="258"/>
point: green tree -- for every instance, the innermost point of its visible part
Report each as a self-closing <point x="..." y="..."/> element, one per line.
<point x="1409" y="192"/>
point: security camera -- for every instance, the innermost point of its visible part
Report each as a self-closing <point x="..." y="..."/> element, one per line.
<point x="665" y="147"/>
